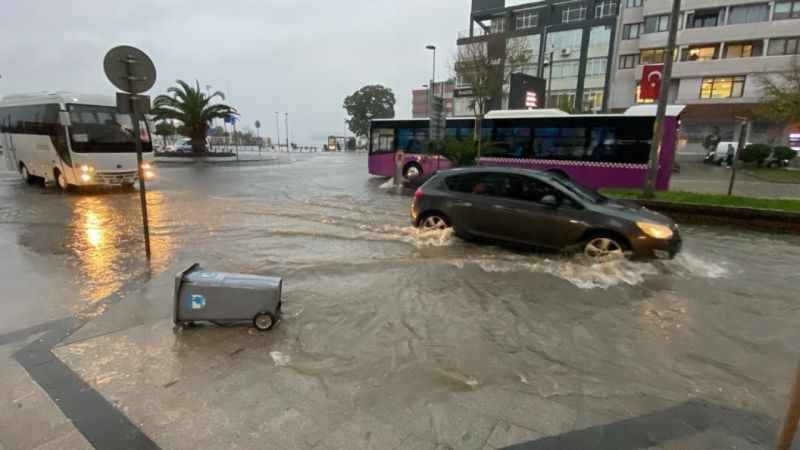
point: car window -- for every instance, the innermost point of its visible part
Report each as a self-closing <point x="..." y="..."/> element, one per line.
<point x="465" y="183"/>
<point x="530" y="189"/>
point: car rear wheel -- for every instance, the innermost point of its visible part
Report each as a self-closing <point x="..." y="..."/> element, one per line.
<point x="601" y="248"/>
<point x="434" y="222"/>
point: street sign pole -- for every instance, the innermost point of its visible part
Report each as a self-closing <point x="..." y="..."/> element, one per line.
<point x="132" y="71"/>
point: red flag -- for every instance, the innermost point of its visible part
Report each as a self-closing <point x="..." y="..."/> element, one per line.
<point x="651" y="81"/>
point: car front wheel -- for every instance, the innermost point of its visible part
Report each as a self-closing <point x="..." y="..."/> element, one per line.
<point x="601" y="248"/>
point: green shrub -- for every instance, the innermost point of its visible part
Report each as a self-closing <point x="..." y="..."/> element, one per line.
<point x="462" y="152"/>
<point x="755" y="153"/>
<point x="782" y="152"/>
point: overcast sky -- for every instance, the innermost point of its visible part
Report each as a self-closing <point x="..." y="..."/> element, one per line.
<point x="297" y="56"/>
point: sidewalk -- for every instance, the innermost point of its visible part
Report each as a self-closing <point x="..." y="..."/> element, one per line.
<point x="710" y="179"/>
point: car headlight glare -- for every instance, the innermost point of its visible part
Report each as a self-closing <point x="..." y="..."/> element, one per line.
<point x="655" y="230"/>
<point x="146" y="166"/>
<point x="85" y="168"/>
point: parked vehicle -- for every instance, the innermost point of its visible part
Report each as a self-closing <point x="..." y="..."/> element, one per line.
<point x="722" y="153"/>
<point x="541" y="209"/>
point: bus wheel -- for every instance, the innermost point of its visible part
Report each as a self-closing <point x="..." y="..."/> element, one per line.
<point x="61" y="180"/>
<point x="412" y="170"/>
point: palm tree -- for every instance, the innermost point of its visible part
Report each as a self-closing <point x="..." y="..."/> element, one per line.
<point x="193" y="108"/>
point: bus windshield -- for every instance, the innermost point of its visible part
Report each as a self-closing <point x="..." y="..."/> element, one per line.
<point x="102" y="129"/>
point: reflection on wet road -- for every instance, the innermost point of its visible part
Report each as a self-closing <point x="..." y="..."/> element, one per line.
<point x="378" y="310"/>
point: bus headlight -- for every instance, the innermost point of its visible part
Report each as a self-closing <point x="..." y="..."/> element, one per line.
<point x="149" y="174"/>
<point x="85" y="177"/>
<point x="146" y="166"/>
<point x="86" y="168"/>
<point x="655" y="230"/>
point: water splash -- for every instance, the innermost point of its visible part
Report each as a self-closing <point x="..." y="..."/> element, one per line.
<point x="280" y="359"/>
<point x="688" y="265"/>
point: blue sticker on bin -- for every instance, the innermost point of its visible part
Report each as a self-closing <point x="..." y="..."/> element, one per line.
<point x="198" y="302"/>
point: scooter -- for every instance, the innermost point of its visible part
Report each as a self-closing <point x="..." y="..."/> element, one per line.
<point x="711" y="157"/>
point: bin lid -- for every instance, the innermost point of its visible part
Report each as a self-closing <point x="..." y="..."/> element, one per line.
<point x="232" y="280"/>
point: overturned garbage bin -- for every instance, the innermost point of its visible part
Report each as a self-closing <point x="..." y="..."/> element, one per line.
<point x="226" y="298"/>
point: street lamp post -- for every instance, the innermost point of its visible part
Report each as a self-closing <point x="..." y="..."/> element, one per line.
<point x="277" y="131"/>
<point x="287" y="131"/>
<point x="431" y="89"/>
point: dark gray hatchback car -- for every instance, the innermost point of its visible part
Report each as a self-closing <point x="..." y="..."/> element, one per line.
<point x="543" y="210"/>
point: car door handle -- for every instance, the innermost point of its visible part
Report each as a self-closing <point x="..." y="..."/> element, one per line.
<point x="501" y="207"/>
<point x="462" y="204"/>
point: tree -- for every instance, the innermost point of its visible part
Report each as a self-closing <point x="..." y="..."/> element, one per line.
<point x="193" y="109"/>
<point x="369" y="102"/>
<point x="164" y="129"/>
<point x="780" y="101"/>
<point x="486" y="74"/>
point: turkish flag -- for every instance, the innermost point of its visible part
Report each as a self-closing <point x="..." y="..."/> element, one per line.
<point x="651" y="81"/>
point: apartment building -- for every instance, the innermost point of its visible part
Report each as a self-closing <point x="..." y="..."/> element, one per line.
<point x="725" y="47"/>
<point x="420" y="99"/>
<point x="576" y="36"/>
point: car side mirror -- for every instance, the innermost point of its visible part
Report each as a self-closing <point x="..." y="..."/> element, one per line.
<point x="550" y="200"/>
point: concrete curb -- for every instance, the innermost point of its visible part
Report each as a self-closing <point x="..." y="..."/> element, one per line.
<point x="758" y="219"/>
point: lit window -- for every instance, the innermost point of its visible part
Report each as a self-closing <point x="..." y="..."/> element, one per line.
<point x="704" y="53"/>
<point x="592" y="99"/>
<point x="652" y="56"/>
<point x="639" y="98"/>
<point x="743" y="49"/>
<point x="722" y="87"/>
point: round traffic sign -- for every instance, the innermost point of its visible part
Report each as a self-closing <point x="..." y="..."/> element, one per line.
<point x="129" y="69"/>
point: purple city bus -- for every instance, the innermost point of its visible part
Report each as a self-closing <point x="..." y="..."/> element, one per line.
<point x="594" y="150"/>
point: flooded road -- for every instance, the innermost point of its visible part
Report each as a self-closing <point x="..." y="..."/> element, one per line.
<point x="415" y="337"/>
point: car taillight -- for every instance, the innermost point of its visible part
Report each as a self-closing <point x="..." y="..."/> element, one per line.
<point x="418" y="193"/>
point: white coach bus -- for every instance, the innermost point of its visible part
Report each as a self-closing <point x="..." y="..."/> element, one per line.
<point x="72" y="140"/>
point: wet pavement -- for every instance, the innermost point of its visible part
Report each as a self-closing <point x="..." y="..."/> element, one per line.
<point x="711" y="179"/>
<point x="390" y="339"/>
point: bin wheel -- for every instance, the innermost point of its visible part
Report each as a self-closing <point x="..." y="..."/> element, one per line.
<point x="264" y="321"/>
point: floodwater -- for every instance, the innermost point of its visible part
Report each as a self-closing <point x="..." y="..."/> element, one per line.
<point x="372" y="303"/>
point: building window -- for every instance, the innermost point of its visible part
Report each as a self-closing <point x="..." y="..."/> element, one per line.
<point x="631" y="30"/>
<point x="656" y="24"/>
<point x="628" y="61"/>
<point x="568" y="69"/>
<point x="743" y="49"/>
<point x="704" y="18"/>
<point x="573" y="14"/>
<point x="652" y="56"/>
<point x="498" y="25"/>
<point x="596" y="67"/>
<point x="639" y="98"/>
<point x="722" y="87"/>
<point x="605" y="9"/>
<point x="633" y="3"/>
<point x="563" y="100"/>
<point x="527" y="19"/>
<point x="787" y="10"/>
<point x="783" y="46"/>
<point x="748" y="14"/>
<point x="592" y="99"/>
<point x="700" y="53"/>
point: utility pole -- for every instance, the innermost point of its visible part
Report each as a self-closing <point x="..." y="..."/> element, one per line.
<point x="658" y="127"/>
<point x="287" y="131"/>
<point x="277" y="131"/>
<point x="742" y="140"/>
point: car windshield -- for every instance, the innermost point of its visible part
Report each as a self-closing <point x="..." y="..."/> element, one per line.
<point x="583" y="193"/>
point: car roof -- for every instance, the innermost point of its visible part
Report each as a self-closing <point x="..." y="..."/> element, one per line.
<point x="495" y="169"/>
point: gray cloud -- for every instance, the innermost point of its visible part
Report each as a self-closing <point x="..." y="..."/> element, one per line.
<point x="298" y="56"/>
